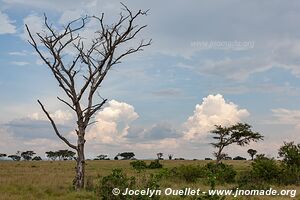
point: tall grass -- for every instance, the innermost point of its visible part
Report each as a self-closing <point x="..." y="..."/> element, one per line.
<point x="53" y="179"/>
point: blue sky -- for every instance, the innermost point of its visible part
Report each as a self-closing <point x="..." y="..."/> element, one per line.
<point x="238" y="61"/>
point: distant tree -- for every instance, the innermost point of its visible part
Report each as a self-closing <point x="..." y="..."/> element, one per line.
<point x="60" y="154"/>
<point x="65" y="154"/>
<point x="27" y="155"/>
<point x="207" y="159"/>
<point x="51" y="155"/>
<point x="37" y="158"/>
<point x="170" y="156"/>
<point x="102" y="157"/>
<point x="240" y="134"/>
<point x="290" y="153"/>
<point x="15" y="157"/>
<point x="71" y="155"/>
<point x="116" y="157"/>
<point x="252" y="153"/>
<point x="239" y="158"/>
<point x="160" y="156"/>
<point x="2" y="155"/>
<point x="127" y="155"/>
<point x="227" y="158"/>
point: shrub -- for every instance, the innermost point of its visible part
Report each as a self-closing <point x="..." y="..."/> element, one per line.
<point x="117" y="179"/>
<point x="222" y="172"/>
<point x="138" y="165"/>
<point x="164" y="173"/>
<point x="155" y="165"/>
<point x="189" y="173"/>
<point x="290" y="153"/>
<point x="265" y="169"/>
<point x="247" y="180"/>
<point x="290" y="175"/>
<point x="212" y="183"/>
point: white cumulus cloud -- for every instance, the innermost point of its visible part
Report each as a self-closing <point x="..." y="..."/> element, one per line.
<point x="214" y="110"/>
<point x="113" y="123"/>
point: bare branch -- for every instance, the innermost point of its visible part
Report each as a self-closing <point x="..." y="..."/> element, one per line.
<point x="65" y="102"/>
<point x="55" y="128"/>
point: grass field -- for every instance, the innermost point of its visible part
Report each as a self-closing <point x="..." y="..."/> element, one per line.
<point x="53" y="180"/>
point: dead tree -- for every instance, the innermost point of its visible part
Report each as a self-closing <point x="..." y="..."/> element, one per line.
<point x="80" y="67"/>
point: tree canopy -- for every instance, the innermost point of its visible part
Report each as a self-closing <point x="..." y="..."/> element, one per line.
<point x="240" y="134"/>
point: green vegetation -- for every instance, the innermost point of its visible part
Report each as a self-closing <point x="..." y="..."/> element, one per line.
<point x="139" y="165"/>
<point x="118" y="179"/>
<point x="239" y="134"/>
<point x="60" y="154"/>
<point x="52" y="179"/>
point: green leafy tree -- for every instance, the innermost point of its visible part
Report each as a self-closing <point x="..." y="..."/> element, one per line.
<point x="27" y="155"/>
<point x="71" y="155"/>
<point x="102" y="157"/>
<point x="51" y="155"/>
<point x="239" y="158"/>
<point x="290" y="153"/>
<point x="252" y="153"/>
<point x="240" y="134"/>
<point x="127" y="155"/>
<point x="61" y="154"/>
<point x="65" y="154"/>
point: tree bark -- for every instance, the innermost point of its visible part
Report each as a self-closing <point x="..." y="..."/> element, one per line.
<point x="80" y="164"/>
<point x="219" y="155"/>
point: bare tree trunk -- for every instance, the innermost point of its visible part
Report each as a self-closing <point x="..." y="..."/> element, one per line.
<point x="80" y="162"/>
<point x="80" y="168"/>
<point x="219" y="155"/>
